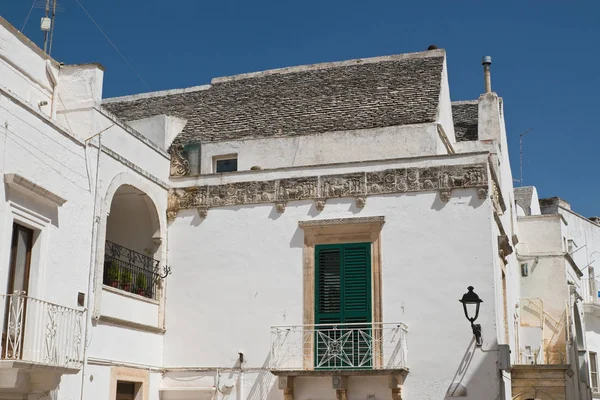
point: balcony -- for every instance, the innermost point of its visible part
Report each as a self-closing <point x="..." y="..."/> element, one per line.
<point x="130" y="271"/>
<point x="40" y="342"/>
<point x="343" y="347"/>
<point x="591" y="296"/>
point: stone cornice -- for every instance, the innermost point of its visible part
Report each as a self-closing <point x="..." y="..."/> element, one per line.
<point x="359" y="185"/>
<point x="341" y="221"/>
<point x="26" y="184"/>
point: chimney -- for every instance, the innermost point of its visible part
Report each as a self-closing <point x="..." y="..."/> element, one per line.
<point x="487" y="62"/>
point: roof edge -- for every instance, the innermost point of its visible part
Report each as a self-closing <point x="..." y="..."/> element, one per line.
<point x="460" y="102"/>
<point x="160" y="93"/>
<point x="327" y="65"/>
<point x="26" y="41"/>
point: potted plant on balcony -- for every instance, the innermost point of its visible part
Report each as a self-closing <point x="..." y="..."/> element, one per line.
<point x="113" y="274"/>
<point x="126" y="278"/>
<point x="141" y="284"/>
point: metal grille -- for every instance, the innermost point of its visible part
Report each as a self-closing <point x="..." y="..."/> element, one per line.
<point x="131" y="271"/>
<point x="339" y="346"/>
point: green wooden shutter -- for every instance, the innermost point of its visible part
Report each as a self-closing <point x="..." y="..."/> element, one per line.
<point x="343" y="295"/>
<point x="328" y="285"/>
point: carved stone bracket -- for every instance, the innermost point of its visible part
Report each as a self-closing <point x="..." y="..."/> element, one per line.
<point x="360" y="201"/>
<point x="202" y="212"/>
<point x="179" y="165"/>
<point x="319" y="188"/>
<point x="320" y="203"/>
<point x="482" y="193"/>
<point x="445" y="195"/>
<point x="280" y="206"/>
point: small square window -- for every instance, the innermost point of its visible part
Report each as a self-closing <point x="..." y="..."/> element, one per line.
<point x="228" y="164"/>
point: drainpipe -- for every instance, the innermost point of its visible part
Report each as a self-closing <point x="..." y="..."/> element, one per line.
<point x="92" y="265"/>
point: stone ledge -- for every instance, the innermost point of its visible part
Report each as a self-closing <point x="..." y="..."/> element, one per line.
<point x="341" y="372"/>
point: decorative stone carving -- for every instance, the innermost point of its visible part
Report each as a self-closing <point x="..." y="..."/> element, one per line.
<point x="280" y="206"/>
<point x="445" y="195"/>
<point x="297" y="188"/>
<point x="381" y="182"/>
<point x="318" y="188"/>
<point x="179" y="165"/>
<point x="482" y="193"/>
<point x="174" y="203"/>
<point x="360" y="201"/>
<point x="202" y="212"/>
<point x="320" y="203"/>
<point x="343" y="185"/>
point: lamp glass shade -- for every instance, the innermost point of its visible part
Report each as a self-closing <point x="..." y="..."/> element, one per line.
<point x="471" y="303"/>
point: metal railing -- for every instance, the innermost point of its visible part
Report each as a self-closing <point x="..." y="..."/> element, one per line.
<point x="131" y="271"/>
<point x="339" y="346"/>
<point x="589" y="291"/>
<point x="40" y="332"/>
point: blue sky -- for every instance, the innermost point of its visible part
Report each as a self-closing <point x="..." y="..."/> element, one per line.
<point x="545" y="58"/>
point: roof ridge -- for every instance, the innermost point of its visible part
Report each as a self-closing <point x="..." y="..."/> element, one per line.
<point x="159" y="93"/>
<point x="459" y="102"/>
<point x="332" y="64"/>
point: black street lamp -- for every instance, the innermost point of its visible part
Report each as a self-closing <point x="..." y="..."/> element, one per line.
<point x="471" y="299"/>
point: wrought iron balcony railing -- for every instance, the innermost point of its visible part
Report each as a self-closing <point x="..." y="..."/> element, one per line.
<point x="358" y="346"/>
<point x="131" y="271"/>
<point x="40" y="332"/>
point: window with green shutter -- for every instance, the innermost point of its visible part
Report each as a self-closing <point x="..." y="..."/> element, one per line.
<point x="343" y="296"/>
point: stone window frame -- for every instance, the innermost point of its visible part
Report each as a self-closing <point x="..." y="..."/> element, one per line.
<point x="341" y="231"/>
<point x="138" y="376"/>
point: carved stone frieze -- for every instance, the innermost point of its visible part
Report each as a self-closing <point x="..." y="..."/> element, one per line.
<point x="179" y="165"/>
<point x="381" y="182"/>
<point x="343" y="185"/>
<point x="297" y="188"/>
<point x="318" y="188"/>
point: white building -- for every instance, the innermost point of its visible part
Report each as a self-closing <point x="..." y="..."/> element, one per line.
<point x="320" y="223"/>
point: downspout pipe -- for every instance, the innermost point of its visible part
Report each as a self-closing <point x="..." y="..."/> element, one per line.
<point x="92" y="265"/>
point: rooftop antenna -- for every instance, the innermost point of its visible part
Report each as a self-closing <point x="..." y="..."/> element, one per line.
<point x="48" y="21"/>
<point x="521" y="156"/>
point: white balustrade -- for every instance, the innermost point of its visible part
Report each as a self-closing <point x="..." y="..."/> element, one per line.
<point x="40" y="332"/>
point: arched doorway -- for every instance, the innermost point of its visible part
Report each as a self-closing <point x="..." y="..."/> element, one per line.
<point x="131" y="253"/>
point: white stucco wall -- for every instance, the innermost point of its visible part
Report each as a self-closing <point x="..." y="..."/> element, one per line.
<point x="250" y="277"/>
<point x="326" y="148"/>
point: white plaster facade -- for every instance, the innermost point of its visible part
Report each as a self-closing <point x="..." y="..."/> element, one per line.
<point x="79" y="177"/>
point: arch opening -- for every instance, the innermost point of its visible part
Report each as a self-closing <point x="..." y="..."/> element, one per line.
<point x="131" y="254"/>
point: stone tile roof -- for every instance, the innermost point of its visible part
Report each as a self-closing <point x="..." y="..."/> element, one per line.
<point x="464" y="114"/>
<point x="523" y="197"/>
<point x="359" y="94"/>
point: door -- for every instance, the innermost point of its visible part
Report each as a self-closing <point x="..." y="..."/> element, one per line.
<point x="18" y="281"/>
<point x="342" y="297"/>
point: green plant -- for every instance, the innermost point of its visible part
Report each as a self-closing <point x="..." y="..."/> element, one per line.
<point x="113" y="272"/>
<point x="126" y="277"/>
<point x="140" y="282"/>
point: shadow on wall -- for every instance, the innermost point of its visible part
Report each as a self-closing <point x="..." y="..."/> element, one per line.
<point x="458" y="386"/>
<point x="460" y="196"/>
<point x="264" y="387"/>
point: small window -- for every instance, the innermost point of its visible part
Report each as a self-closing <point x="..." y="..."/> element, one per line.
<point x="594" y="369"/>
<point x="126" y="390"/>
<point x="225" y="164"/>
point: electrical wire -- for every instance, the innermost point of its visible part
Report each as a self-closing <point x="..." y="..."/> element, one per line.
<point x="45" y="134"/>
<point x="113" y="45"/>
<point x="28" y="15"/>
